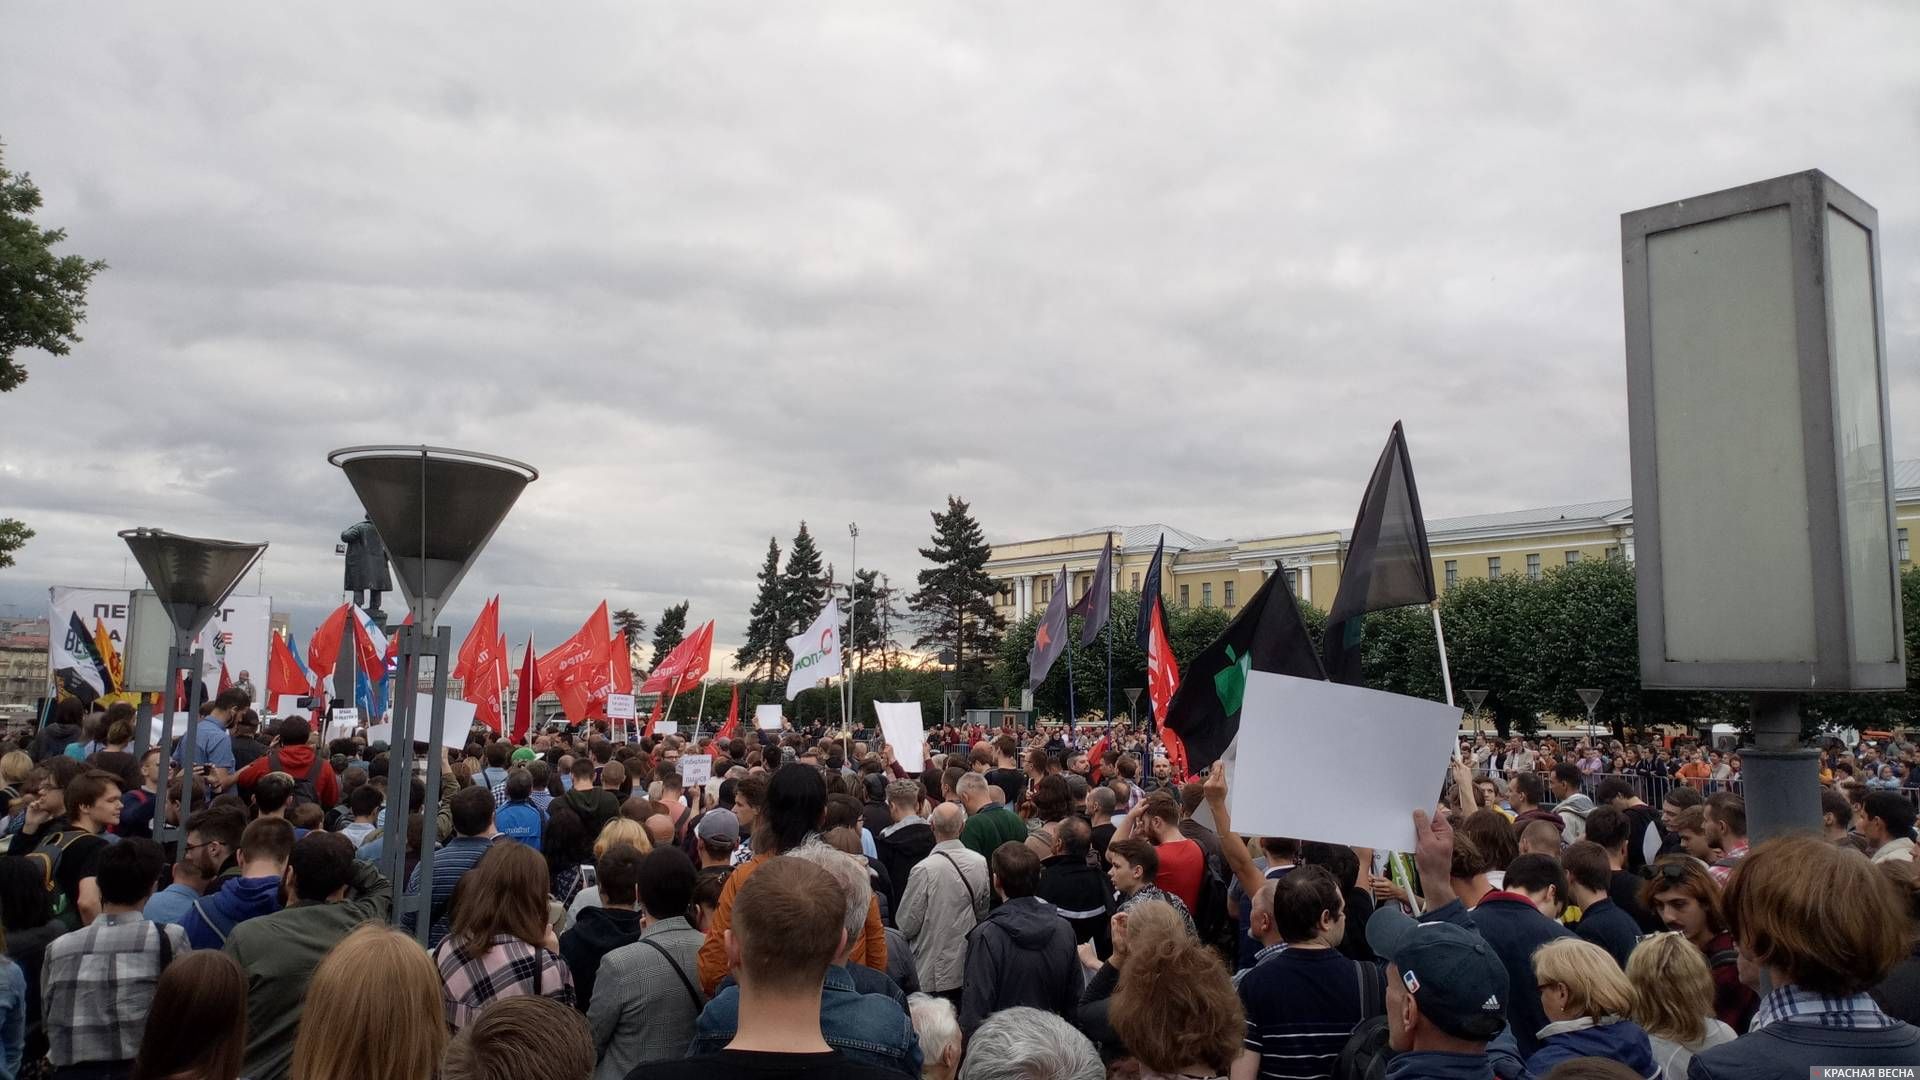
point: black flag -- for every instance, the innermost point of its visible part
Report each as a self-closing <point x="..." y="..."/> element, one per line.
<point x="1388" y="564"/>
<point x="1094" y="606"/>
<point x="1267" y="635"/>
<point x="1050" y="637"/>
<point x="1150" y="595"/>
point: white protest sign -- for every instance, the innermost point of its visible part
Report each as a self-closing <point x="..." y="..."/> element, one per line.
<point x="767" y="717"/>
<point x="667" y="727"/>
<point x="340" y="724"/>
<point x="459" y="723"/>
<point x="620" y="707"/>
<point x="1286" y="788"/>
<point x="906" y="732"/>
<point x="695" y="769"/>
<point x="179" y="726"/>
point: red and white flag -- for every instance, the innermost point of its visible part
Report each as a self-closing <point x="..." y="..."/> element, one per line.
<point x="578" y="667"/>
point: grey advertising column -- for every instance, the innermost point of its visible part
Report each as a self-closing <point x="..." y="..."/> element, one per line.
<point x="1762" y="470"/>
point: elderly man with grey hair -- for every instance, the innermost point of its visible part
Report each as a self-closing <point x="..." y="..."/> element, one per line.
<point x="1024" y="1043"/>
<point x="947" y="894"/>
<point x="940" y="1041"/>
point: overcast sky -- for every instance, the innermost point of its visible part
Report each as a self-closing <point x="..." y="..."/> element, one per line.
<point x="715" y="268"/>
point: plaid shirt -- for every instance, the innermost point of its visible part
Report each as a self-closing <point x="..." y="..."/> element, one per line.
<point x="1846" y="1012"/>
<point x="97" y="985"/>
<point x="509" y="968"/>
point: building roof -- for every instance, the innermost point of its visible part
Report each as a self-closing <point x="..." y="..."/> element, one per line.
<point x="1906" y="477"/>
<point x="1146" y="536"/>
<point x="1520" y="519"/>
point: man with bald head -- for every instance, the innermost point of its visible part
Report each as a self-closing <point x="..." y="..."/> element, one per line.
<point x="947" y="893"/>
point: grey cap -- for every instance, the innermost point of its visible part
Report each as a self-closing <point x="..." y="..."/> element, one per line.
<point x="718" y="824"/>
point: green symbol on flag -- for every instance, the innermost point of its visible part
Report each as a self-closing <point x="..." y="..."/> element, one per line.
<point x="1230" y="682"/>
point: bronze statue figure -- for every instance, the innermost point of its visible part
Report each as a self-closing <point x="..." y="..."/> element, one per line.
<point x="367" y="567"/>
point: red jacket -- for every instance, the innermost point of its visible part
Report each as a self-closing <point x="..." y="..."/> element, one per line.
<point x="294" y="761"/>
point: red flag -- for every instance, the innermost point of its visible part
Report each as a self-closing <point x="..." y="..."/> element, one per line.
<point x="574" y="669"/>
<point x="475" y="657"/>
<point x="653" y="719"/>
<point x="1163" y="677"/>
<point x="283" y="672"/>
<point x="733" y="716"/>
<point x="393" y="640"/>
<point x="685" y="666"/>
<point x="1094" y="755"/>
<point x="226" y="681"/>
<point x="323" y="649"/>
<point x="530" y="688"/>
<point x="620" y="663"/>
<point x="1163" y="673"/>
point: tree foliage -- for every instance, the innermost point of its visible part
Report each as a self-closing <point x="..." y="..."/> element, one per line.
<point x="762" y="642"/>
<point x="629" y="625"/>
<point x="13" y="536"/>
<point x="669" y="631"/>
<point x="803" y="588"/>
<point x="43" y="296"/>
<point x="954" y="604"/>
<point x="872" y="609"/>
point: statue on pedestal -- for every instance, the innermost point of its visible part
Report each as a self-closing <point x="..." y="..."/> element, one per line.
<point x="367" y="567"/>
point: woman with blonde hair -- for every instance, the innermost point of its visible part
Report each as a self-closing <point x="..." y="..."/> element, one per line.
<point x="372" y="1012"/>
<point x="1174" y="1006"/>
<point x="1673" y="1000"/>
<point x="1587" y="999"/>
<point x="500" y="943"/>
<point x="620" y="830"/>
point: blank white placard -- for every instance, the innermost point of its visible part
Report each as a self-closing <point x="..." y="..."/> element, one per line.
<point x="901" y="722"/>
<point x="766" y="717"/>
<point x="1293" y="732"/>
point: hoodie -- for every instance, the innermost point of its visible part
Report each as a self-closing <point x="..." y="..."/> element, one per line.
<point x="1082" y="895"/>
<point x="1573" y="811"/>
<point x="1023" y="954"/>
<point x="596" y="807"/>
<point x="595" y="933"/>
<point x="1621" y="1040"/>
<point x="210" y="921"/>
<point x="298" y="762"/>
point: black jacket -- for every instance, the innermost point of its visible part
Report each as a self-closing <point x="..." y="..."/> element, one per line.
<point x="597" y="932"/>
<point x="1604" y="924"/>
<point x="900" y="851"/>
<point x="1023" y="954"/>
<point x="1083" y="895"/>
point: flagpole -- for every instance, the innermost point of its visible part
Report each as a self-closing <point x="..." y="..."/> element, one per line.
<point x="701" y="713"/>
<point x="853" y="618"/>
<point x="1439" y="635"/>
<point x="1072" y="711"/>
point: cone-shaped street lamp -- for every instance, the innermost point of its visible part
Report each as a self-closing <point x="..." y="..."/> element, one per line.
<point x="435" y="509"/>
<point x="191" y="576"/>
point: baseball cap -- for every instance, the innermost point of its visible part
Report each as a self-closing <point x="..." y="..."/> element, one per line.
<point x="1451" y="972"/>
<point x="718" y="824"/>
<point x="525" y="753"/>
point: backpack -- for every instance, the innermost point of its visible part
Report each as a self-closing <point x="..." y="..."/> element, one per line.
<point x="1366" y="1053"/>
<point x="46" y="858"/>
<point x="304" y="789"/>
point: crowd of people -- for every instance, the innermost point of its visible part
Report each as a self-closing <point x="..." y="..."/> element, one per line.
<point x="1025" y="906"/>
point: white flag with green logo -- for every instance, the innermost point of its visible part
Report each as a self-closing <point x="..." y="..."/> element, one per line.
<point x="816" y="652"/>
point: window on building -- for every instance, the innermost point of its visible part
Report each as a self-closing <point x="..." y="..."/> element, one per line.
<point x="1086" y="582"/>
<point x="1906" y="555"/>
<point x="1046" y="589"/>
<point x="1226" y="593"/>
<point x="1206" y="594"/>
<point x="1136" y="583"/>
<point x="1533" y="567"/>
<point x="1183" y="597"/>
<point x="1572" y="557"/>
<point x="1453" y="572"/>
<point x="1493" y="568"/>
<point x="1613" y="554"/>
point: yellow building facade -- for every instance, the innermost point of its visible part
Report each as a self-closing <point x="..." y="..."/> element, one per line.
<point x="1198" y="572"/>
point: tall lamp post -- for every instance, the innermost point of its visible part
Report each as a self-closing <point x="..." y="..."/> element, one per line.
<point x="1476" y="698"/>
<point x="435" y="510"/>
<point x="191" y="576"/>
<point x="1591" y="699"/>
<point x="1762" y="471"/>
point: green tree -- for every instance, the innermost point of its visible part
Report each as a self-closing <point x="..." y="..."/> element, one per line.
<point x="43" y="296"/>
<point x="669" y="631"/>
<point x="761" y="645"/>
<point x="803" y="589"/>
<point x="1489" y="628"/>
<point x="629" y="625"/>
<point x="872" y="613"/>
<point x="954" y="604"/>
<point x="13" y="536"/>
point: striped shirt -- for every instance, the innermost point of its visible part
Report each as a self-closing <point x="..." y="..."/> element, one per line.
<point x="451" y="861"/>
<point x="1302" y="1004"/>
